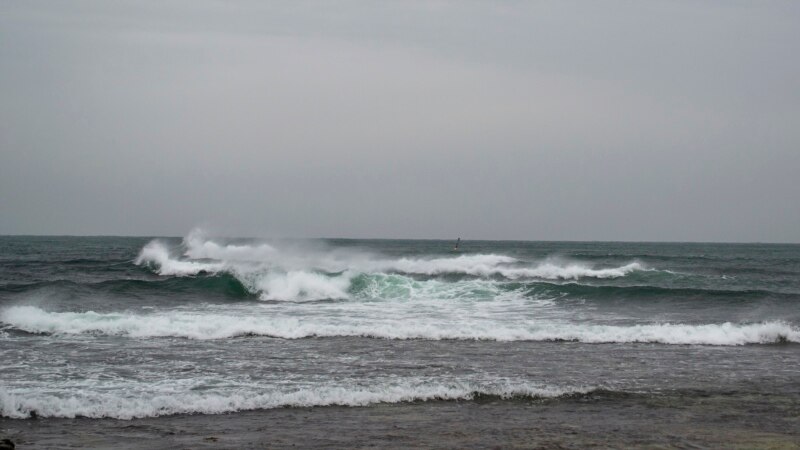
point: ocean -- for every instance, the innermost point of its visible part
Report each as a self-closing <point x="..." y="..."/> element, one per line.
<point x="149" y="328"/>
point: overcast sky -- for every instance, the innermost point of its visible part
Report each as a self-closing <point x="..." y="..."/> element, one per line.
<point x="630" y="120"/>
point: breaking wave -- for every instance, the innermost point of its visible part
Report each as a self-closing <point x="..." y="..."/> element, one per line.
<point x="212" y="325"/>
<point x="303" y="274"/>
<point x="299" y="286"/>
<point x="156" y="255"/>
<point x="21" y="405"/>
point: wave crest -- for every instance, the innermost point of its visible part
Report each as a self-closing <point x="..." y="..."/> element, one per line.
<point x="199" y="247"/>
<point x="156" y="255"/>
<point x="100" y="405"/>
<point x="295" y="274"/>
<point x="208" y="325"/>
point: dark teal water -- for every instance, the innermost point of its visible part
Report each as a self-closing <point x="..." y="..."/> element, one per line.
<point x="136" y="327"/>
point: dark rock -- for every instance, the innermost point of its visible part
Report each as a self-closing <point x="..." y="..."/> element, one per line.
<point x="6" y="444"/>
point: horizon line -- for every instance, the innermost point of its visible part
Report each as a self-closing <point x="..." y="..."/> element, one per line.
<point x="410" y="239"/>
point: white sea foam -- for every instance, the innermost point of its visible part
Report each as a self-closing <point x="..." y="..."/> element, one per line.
<point x="156" y="253"/>
<point x="400" y="324"/>
<point x="401" y="287"/>
<point x="199" y="247"/>
<point x="159" y="402"/>
<point x="299" y="285"/>
<point x="480" y="265"/>
<point x="571" y="271"/>
<point x="491" y="265"/>
<point x="304" y="274"/>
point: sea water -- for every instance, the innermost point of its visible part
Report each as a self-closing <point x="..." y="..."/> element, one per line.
<point x="127" y="327"/>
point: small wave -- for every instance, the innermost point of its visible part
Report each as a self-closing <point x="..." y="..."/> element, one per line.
<point x="91" y="262"/>
<point x="646" y="292"/>
<point x="111" y="405"/>
<point x="204" y="325"/>
<point x="223" y="283"/>
<point x="503" y="266"/>
<point x="572" y="271"/>
<point x="23" y="287"/>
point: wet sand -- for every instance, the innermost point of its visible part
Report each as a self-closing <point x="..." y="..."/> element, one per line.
<point x="598" y="420"/>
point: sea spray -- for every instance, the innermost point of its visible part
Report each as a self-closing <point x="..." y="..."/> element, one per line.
<point x="311" y="275"/>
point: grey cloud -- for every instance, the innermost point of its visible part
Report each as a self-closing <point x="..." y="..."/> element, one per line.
<point x="562" y="120"/>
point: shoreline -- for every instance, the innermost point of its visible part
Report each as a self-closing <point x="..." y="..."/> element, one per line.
<point x="671" y="421"/>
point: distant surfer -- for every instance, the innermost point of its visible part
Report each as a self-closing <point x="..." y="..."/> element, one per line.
<point x="455" y="249"/>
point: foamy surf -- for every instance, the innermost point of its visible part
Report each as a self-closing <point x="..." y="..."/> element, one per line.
<point x="164" y="400"/>
<point x="200" y="325"/>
